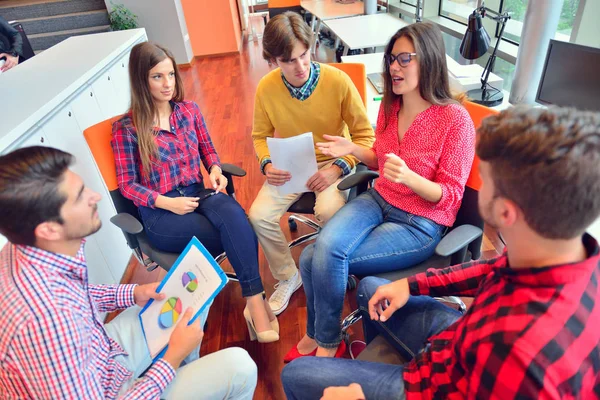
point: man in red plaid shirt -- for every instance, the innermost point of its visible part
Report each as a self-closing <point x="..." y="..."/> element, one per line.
<point x="533" y="330"/>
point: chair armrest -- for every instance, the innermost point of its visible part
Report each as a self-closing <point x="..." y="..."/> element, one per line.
<point x="232" y="170"/>
<point x="357" y="178"/>
<point x="128" y="223"/>
<point x="130" y="226"/>
<point x="457" y="239"/>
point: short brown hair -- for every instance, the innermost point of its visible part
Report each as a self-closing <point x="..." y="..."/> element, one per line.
<point x="281" y="34"/>
<point x="30" y="194"/>
<point x="547" y="161"/>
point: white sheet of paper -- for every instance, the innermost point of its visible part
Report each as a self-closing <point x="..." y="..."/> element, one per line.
<point x="297" y="156"/>
<point x="209" y="280"/>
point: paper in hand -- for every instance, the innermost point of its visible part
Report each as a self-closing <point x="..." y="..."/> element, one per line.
<point x="297" y="156"/>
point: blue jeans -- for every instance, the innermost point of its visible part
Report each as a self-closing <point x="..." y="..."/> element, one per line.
<point x="365" y="237"/>
<point x="219" y="223"/>
<point x="407" y="330"/>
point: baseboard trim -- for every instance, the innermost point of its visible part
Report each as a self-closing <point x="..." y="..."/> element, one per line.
<point x="229" y="53"/>
<point x="188" y="65"/>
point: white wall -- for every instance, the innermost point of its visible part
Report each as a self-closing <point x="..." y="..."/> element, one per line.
<point x="165" y="24"/>
<point x="594" y="230"/>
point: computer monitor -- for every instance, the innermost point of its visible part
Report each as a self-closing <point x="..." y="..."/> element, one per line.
<point x="571" y="76"/>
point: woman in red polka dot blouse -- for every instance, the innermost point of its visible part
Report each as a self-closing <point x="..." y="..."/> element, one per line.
<point x="424" y="149"/>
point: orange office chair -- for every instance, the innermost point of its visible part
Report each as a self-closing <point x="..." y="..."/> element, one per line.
<point x="306" y="203"/>
<point x="277" y="7"/>
<point x="98" y="138"/>
<point x="461" y="243"/>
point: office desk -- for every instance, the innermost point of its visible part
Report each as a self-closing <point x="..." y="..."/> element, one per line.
<point x="366" y="30"/>
<point x="374" y="63"/>
<point x="324" y="10"/>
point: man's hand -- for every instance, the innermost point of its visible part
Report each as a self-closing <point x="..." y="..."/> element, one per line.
<point x="143" y="293"/>
<point x="387" y="299"/>
<point x="217" y="179"/>
<point x="184" y="339"/>
<point x="324" y="178"/>
<point x="352" y="392"/>
<point x="396" y="170"/>
<point x="276" y="177"/>
<point x="10" y="61"/>
<point x="182" y="205"/>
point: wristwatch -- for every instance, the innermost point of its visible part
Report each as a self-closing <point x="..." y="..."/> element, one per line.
<point x="13" y="53"/>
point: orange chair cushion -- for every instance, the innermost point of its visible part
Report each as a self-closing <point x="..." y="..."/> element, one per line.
<point x="98" y="138"/>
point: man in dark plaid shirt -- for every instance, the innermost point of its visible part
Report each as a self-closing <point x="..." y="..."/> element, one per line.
<point x="533" y="330"/>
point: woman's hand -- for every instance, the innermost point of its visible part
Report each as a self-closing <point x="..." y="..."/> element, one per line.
<point x="217" y="179"/>
<point x="337" y="146"/>
<point x="276" y="177"/>
<point x="396" y="170"/>
<point x="177" y="205"/>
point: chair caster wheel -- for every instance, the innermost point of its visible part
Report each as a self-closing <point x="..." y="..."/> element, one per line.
<point x="352" y="282"/>
<point x="293" y="225"/>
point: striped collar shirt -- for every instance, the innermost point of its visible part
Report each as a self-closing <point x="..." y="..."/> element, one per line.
<point x="53" y="344"/>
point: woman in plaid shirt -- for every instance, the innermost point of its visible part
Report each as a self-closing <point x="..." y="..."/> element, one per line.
<point x="159" y="146"/>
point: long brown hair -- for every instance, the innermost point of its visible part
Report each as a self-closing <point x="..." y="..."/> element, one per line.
<point x="144" y="57"/>
<point x="434" y="84"/>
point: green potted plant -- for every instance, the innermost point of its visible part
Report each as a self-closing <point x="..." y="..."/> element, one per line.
<point x="121" y="18"/>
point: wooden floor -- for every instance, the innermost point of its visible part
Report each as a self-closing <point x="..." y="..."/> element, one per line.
<point x="224" y="88"/>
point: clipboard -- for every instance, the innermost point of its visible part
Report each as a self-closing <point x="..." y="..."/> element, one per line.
<point x="194" y="281"/>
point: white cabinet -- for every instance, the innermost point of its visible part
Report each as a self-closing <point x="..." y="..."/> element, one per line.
<point x="63" y="128"/>
<point x="107" y="96"/>
<point x="58" y="94"/>
<point x="119" y="74"/>
<point x="86" y="109"/>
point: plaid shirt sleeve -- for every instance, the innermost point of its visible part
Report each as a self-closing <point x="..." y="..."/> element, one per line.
<point x="55" y="361"/>
<point x="125" y="149"/>
<point x="109" y="298"/>
<point x="458" y="280"/>
<point x="205" y="146"/>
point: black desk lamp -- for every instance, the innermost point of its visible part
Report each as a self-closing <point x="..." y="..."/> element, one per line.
<point x="474" y="45"/>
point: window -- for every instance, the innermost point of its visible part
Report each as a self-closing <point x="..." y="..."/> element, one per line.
<point x="517" y="8"/>
<point x="457" y="10"/>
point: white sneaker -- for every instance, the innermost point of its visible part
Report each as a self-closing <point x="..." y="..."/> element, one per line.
<point x="280" y="299"/>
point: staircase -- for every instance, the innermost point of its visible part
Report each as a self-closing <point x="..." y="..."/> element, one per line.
<point x="48" y="22"/>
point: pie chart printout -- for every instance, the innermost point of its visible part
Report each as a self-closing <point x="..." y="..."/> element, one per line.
<point x="170" y="312"/>
<point x="189" y="281"/>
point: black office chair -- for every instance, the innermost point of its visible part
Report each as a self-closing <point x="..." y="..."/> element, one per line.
<point x="98" y="138"/>
<point x="27" y="49"/>
<point x="358" y="183"/>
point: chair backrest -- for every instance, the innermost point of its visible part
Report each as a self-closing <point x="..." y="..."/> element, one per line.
<point x="98" y="138"/>
<point x="477" y="113"/>
<point x="283" y="3"/>
<point x="358" y="75"/>
<point x="469" y="208"/>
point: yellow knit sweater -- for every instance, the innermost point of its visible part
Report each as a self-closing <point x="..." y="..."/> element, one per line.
<point x="334" y="108"/>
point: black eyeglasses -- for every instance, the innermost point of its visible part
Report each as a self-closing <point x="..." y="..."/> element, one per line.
<point x="402" y="58"/>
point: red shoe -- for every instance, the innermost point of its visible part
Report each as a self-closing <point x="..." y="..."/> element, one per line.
<point x="341" y="350"/>
<point x="294" y="353"/>
<point x="356" y="347"/>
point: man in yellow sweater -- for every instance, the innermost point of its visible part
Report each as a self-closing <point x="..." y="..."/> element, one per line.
<point x="300" y="96"/>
